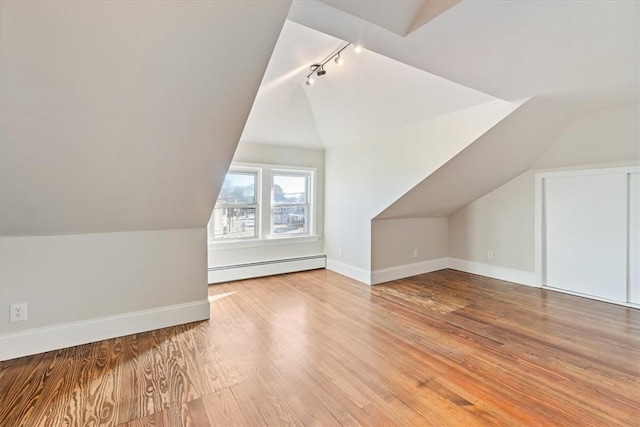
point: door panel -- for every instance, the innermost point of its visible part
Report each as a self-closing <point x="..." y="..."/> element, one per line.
<point x="634" y="238"/>
<point x="586" y="234"/>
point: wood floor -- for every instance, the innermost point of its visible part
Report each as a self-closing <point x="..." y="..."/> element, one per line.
<point x="315" y="348"/>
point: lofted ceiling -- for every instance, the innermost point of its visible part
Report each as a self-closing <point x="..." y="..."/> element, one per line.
<point x="400" y="17"/>
<point x="568" y="58"/>
<point x="428" y="58"/>
<point x="585" y="54"/>
<point x="368" y="94"/>
<point x="115" y="114"/>
<point x="497" y="156"/>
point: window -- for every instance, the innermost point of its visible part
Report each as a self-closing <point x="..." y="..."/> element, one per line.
<point x="236" y="213"/>
<point x="290" y="202"/>
<point x="260" y="203"/>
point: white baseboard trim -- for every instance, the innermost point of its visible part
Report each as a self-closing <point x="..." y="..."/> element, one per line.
<point x="521" y="277"/>
<point x="40" y="340"/>
<point x="593" y="297"/>
<point x="408" y="270"/>
<point x="348" y="270"/>
<point x="266" y="268"/>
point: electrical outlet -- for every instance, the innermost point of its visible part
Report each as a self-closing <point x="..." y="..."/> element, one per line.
<point x="18" y="312"/>
<point x="415" y="253"/>
<point x="490" y="255"/>
<point x="339" y="252"/>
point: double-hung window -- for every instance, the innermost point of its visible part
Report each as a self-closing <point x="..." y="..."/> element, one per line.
<point x="236" y="214"/>
<point x="290" y="210"/>
<point x="264" y="204"/>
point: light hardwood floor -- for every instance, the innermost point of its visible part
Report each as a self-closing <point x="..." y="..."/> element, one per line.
<point x="316" y="348"/>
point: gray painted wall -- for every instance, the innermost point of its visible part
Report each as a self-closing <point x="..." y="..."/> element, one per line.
<point x="119" y="121"/>
<point x="364" y="178"/>
<point x="503" y="220"/>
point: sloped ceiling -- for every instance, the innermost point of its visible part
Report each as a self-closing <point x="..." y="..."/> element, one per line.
<point x="582" y="53"/>
<point x="121" y="116"/>
<point x="124" y="116"/>
<point x="368" y="94"/>
<point x="401" y="18"/>
<point x="570" y="57"/>
<point x="502" y="153"/>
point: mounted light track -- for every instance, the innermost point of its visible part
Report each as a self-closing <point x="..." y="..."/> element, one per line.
<point x="318" y="68"/>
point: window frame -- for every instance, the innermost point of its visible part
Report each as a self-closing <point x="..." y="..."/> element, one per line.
<point x="308" y="174"/>
<point x="240" y="170"/>
<point x="264" y="211"/>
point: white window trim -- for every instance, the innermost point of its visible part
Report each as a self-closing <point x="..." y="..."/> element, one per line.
<point x="257" y="205"/>
<point x="257" y="243"/>
<point x="310" y="226"/>
<point x="264" y="197"/>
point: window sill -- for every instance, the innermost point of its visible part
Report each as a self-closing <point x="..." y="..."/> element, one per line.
<point x="256" y="243"/>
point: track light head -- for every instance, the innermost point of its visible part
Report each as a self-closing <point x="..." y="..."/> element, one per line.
<point x="318" y="67"/>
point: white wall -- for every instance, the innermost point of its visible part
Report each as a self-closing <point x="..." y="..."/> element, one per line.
<point x="601" y="137"/>
<point x="102" y="278"/>
<point x="406" y="247"/>
<point x="364" y="178"/>
<point x="117" y="117"/>
<point x="395" y="240"/>
<point x="225" y="255"/>
<point x="503" y="220"/>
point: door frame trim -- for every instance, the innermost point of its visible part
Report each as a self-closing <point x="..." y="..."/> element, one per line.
<point x="540" y="244"/>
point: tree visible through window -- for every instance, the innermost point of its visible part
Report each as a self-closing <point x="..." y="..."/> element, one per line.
<point x="235" y="215"/>
<point x="261" y="202"/>
<point x="290" y="203"/>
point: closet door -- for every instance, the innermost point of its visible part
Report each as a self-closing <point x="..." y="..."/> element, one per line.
<point x="634" y="238"/>
<point x="586" y="234"/>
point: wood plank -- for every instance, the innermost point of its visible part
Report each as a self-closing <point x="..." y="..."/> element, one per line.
<point x="319" y="349"/>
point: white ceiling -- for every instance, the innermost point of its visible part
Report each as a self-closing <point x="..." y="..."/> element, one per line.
<point x="582" y="53"/>
<point x="400" y="17"/>
<point x="369" y="93"/>
<point x="500" y="154"/>
<point x="115" y="114"/>
<point x="569" y="57"/>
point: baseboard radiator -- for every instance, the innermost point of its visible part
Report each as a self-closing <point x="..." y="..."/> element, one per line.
<point x="229" y="273"/>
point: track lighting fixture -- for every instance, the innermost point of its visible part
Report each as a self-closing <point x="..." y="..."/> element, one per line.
<point x="318" y="69"/>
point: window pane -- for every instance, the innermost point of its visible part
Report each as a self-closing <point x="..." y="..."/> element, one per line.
<point x="290" y="219"/>
<point x="234" y="223"/>
<point x="290" y="198"/>
<point x="289" y="189"/>
<point x="238" y="188"/>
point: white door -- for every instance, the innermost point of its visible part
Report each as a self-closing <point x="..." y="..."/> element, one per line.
<point x="634" y="238"/>
<point x="585" y="236"/>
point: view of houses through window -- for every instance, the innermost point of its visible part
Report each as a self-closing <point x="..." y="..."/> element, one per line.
<point x="289" y="201"/>
<point x="236" y="213"/>
<point x="239" y="212"/>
